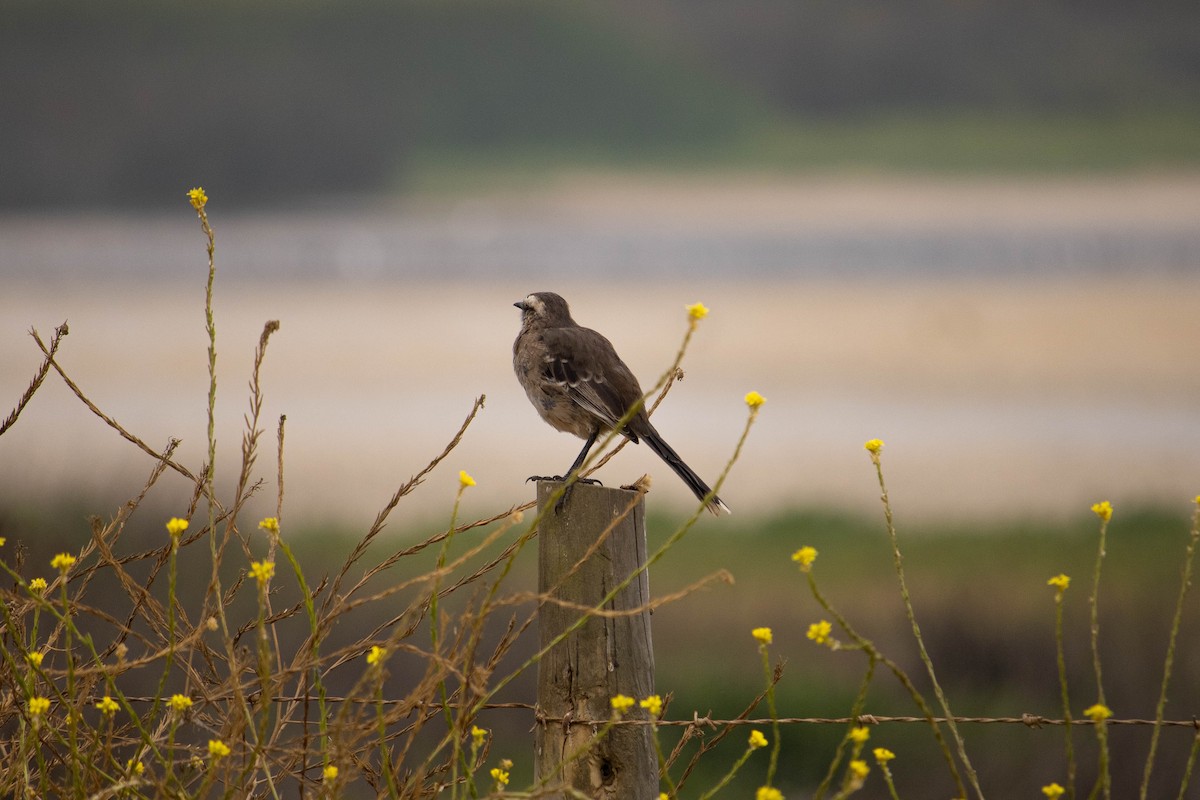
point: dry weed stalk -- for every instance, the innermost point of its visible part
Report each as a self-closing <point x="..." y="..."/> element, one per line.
<point x="252" y="682"/>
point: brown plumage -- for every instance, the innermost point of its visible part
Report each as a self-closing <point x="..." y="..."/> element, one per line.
<point x="578" y="384"/>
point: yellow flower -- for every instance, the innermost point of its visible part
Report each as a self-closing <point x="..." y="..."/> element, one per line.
<point x="376" y="656"/>
<point x="63" y="562"/>
<point x="478" y="734"/>
<point x="464" y="479"/>
<point x="1060" y="582"/>
<point x="883" y="755"/>
<point x="860" y="734"/>
<point x="197" y="197"/>
<point x="1196" y="500"/>
<point x="768" y="793"/>
<point x="663" y="796"/>
<point x="1103" y="510"/>
<point x="859" y="769"/>
<point x="754" y="399"/>
<point x="176" y="526"/>
<point x="757" y="740"/>
<point x="805" y="556"/>
<point x="136" y="767"/>
<point x="653" y="705"/>
<point x="108" y="705"/>
<point x="763" y="635"/>
<point x="180" y="703"/>
<point x="1098" y="712"/>
<point x="269" y="524"/>
<point x="38" y="706"/>
<point x="1053" y="791"/>
<point x="35" y="658"/>
<point x="330" y="772"/>
<point x="819" y="631"/>
<point x="621" y="704"/>
<point x="506" y="763"/>
<point x="697" y="311"/>
<point x="217" y="749"/>
<point x="37" y="585"/>
<point x="499" y="776"/>
<point x="3" y="541"/>
<point x="262" y="571"/>
<point x="874" y="446"/>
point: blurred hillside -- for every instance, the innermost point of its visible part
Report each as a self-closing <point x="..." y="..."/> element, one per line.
<point x="273" y="102"/>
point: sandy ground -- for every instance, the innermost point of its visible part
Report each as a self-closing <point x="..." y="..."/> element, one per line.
<point x="762" y="202"/>
<point x="997" y="398"/>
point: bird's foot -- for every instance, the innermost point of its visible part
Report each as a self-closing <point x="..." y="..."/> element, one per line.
<point x="560" y="479"/>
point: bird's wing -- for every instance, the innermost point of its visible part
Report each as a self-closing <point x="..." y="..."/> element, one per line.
<point x="585" y="363"/>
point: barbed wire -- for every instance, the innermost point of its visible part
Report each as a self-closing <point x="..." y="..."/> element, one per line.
<point x="697" y="721"/>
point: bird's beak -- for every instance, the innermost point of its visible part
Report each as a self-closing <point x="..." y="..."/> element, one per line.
<point x="521" y="305"/>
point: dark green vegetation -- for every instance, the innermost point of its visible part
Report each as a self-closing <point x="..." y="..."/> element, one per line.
<point x="980" y="596"/>
<point x="281" y="102"/>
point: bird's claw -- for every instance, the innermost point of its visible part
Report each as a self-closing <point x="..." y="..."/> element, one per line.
<point x="560" y="479"/>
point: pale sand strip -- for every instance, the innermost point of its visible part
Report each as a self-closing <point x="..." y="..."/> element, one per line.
<point x="1029" y="397"/>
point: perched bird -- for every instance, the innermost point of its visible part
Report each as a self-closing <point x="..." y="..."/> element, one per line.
<point x="579" y="385"/>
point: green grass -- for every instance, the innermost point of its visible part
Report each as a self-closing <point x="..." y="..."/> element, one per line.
<point x="967" y="144"/>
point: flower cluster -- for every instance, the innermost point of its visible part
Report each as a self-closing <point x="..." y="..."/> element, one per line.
<point x="1103" y="510"/>
<point x="176" y="527"/>
<point x="653" y="705"/>
<point x="197" y="198"/>
<point x="820" y="632"/>
<point x="621" y="704"/>
<point x="63" y="562"/>
<point x="262" y="571"/>
<point x="376" y="656"/>
<point x="805" y="556"/>
<point x="1060" y="582"/>
<point x="763" y="635"/>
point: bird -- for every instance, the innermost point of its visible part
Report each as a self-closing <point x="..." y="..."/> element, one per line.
<point x="578" y="384"/>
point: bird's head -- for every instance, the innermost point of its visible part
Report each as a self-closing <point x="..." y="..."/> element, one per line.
<point x="544" y="307"/>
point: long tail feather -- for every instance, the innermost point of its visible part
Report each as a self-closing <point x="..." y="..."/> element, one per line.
<point x="672" y="459"/>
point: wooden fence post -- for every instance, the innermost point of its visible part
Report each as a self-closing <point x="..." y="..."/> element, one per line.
<point x="606" y="656"/>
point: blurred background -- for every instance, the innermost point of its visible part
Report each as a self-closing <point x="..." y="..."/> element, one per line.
<point x="969" y="229"/>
